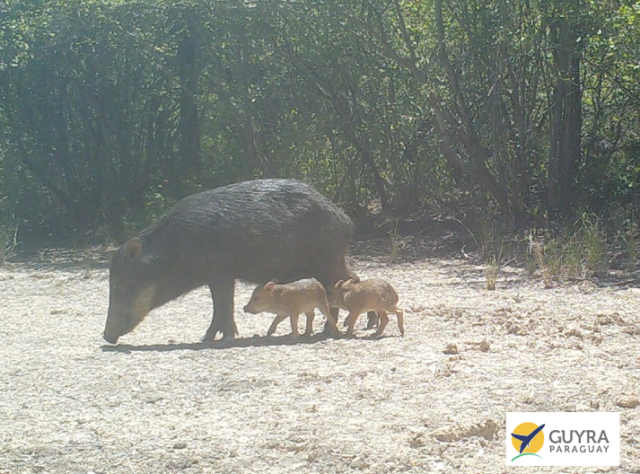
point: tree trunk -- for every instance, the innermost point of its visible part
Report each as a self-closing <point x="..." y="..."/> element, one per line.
<point x="566" y="119"/>
<point x="189" y="124"/>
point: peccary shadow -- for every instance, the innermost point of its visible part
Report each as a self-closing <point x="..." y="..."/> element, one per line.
<point x="254" y="341"/>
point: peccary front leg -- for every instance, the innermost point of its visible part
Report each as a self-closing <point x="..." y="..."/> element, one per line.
<point x="328" y="330"/>
<point x="372" y="320"/>
<point x="223" y="321"/>
<point x="294" y="326"/>
<point x="274" y="325"/>
<point x="331" y="319"/>
<point x="352" y="318"/>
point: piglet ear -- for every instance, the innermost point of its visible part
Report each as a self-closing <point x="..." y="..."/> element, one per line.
<point x="133" y="248"/>
<point x="339" y="284"/>
<point x="270" y="286"/>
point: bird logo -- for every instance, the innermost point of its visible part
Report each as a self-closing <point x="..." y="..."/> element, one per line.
<point x="527" y="438"/>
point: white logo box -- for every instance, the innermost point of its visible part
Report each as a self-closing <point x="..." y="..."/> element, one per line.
<point x="570" y="439"/>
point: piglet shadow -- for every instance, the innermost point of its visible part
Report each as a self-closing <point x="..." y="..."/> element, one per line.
<point x="254" y="341"/>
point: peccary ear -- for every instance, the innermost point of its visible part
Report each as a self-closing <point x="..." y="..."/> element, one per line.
<point x="348" y="285"/>
<point x="133" y="248"/>
<point x="270" y="286"/>
<point x="339" y="284"/>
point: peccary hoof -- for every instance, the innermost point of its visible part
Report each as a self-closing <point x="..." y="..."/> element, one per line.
<point x="226" y="341"/>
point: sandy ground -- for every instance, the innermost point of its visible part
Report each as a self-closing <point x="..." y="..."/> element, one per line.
<point x="162" y="402"/>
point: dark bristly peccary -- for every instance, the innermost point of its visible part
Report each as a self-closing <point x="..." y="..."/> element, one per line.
<point x="254" y="231"/>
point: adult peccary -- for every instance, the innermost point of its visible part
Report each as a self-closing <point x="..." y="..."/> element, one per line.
<point x="255" y="231"/>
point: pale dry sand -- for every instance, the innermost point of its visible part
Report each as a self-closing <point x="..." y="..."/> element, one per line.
<point x="162" y="402"/>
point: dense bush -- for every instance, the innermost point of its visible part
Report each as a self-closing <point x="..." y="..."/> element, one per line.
<point x="110" y="111"/>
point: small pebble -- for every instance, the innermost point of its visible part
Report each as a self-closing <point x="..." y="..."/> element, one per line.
<point x="628" y="401"/>
<point x="451" y="349"/>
